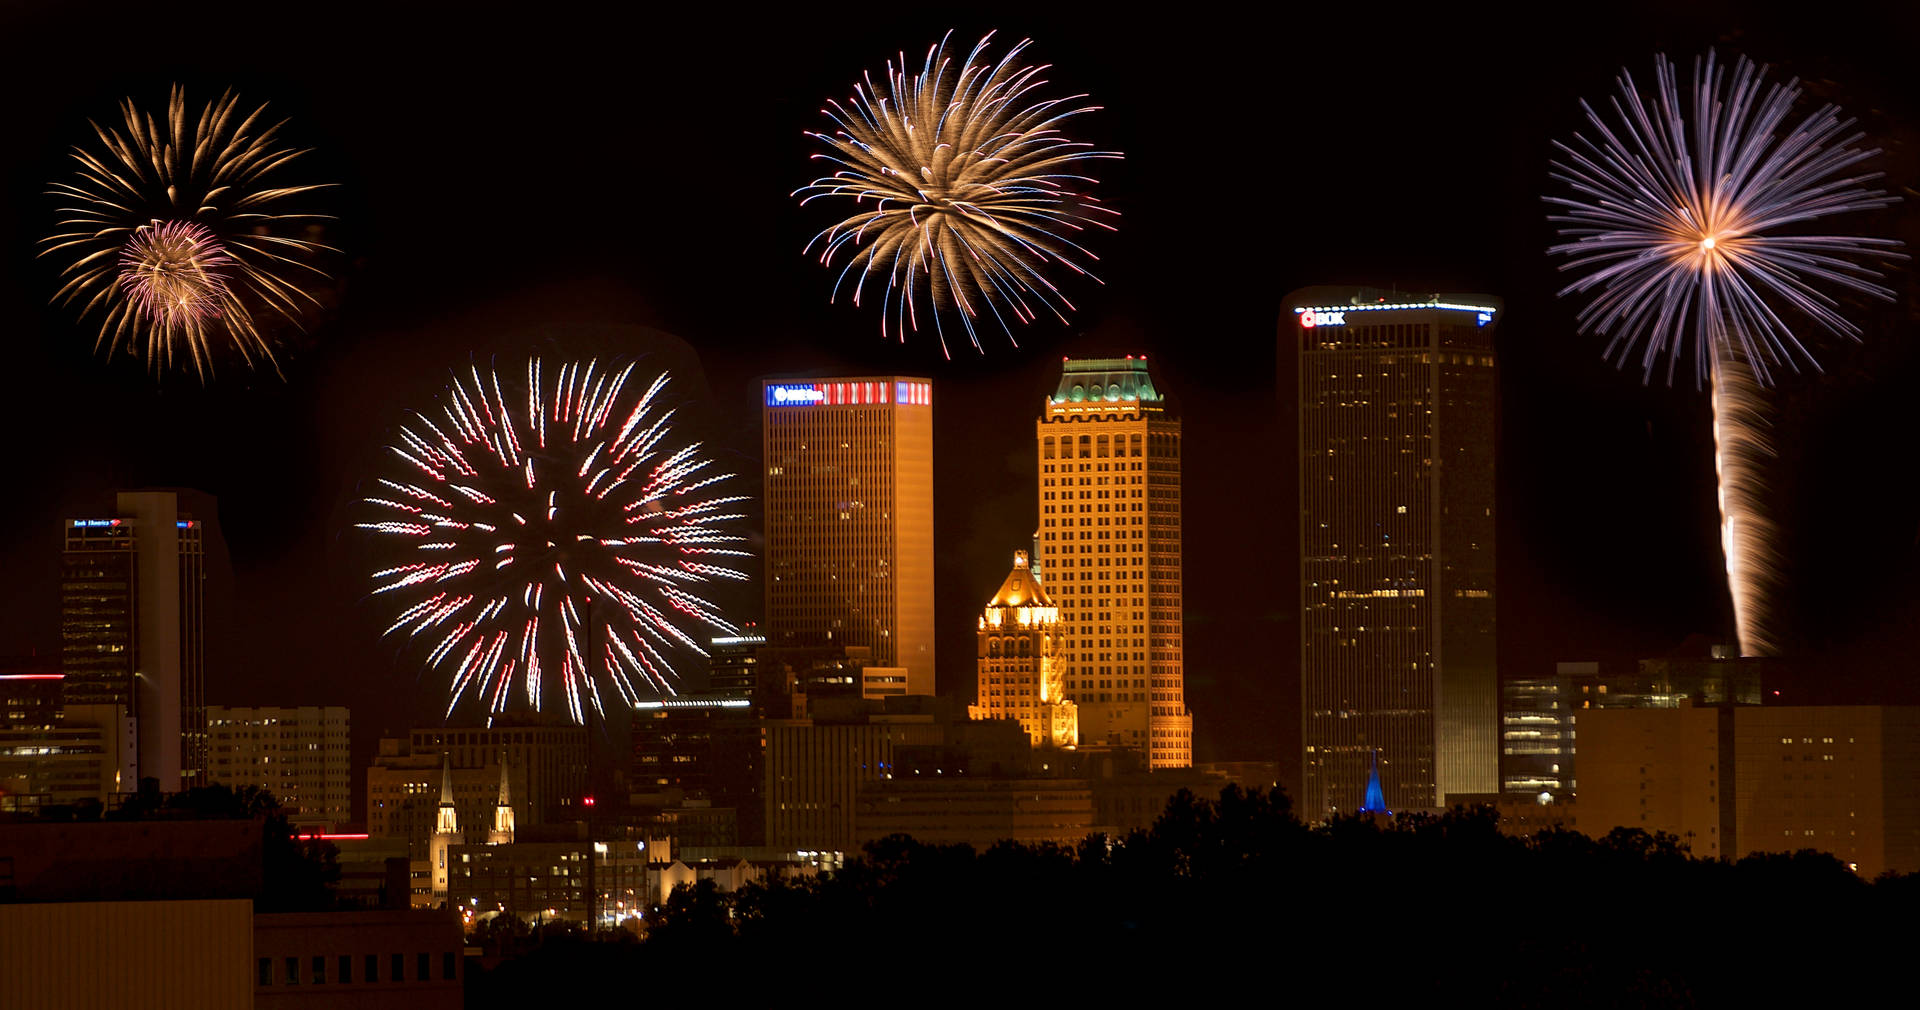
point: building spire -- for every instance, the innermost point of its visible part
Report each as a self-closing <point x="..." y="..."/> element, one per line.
<point x="1376" y="801"/>
<point x="448" y="820"/>
<point x="502" y="833"/>
<point x="446" y="830"/>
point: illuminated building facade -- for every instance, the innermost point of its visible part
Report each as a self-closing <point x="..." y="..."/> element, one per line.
<point x="300" y="755"/>
<point x="1021" y="675"/>
<point x="1397" y="400"/>
<point x="1540" y="716"/>
<point x="849" y="514"/>
<point x="1109" y="542"/>
<point x="545" y="767"/>
<point x="446" y="830"/>
<point x="31" y="689"/>
<point x="132" y="627"/>
<point x="1732" y="780"/>
<point x="88" y="754"/>
<point x="705" y="749"/>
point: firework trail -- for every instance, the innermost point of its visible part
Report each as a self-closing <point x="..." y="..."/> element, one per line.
<point x="174" y="232"/>
<point x="556" y="524"/>
<point x="963" y="191"/>
<point x="1689" y="220"/>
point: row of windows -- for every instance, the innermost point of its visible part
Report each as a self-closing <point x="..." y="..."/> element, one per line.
<point x="370" y="972"/>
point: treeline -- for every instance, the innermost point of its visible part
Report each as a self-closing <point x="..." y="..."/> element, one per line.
<point x="1237" y="891"/>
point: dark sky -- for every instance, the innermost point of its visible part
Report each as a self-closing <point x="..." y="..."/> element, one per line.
<point x="575" y="185"/>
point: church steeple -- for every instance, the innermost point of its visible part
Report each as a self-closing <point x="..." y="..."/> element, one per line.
<point x="446" y="830"/>
<point x="502" y="833"/>
<point x="449" y="818"/>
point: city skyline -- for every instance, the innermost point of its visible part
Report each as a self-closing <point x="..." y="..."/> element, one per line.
<point x="1588" y="565"/>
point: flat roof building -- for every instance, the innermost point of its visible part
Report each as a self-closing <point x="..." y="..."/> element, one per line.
<point x="300" y="755"/>
<point x="849" y="520"/>
<point x="1397" y="401"/>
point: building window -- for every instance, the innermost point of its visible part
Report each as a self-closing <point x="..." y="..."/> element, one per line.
<point x="398" y="972"/>
<point x="346" y="969"/>
<point x="293" y="971"/>
<point x="266" y="971"/>
<point x="449" y="965"/>
<point x="319" y="970"/>
<point x="424" y="964"/>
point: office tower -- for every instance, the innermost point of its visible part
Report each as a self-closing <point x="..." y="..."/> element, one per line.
<point x="849" y="514"/>
<point x="1021" y="675"/>
<point x="300" y="755"/>
<point x="132" y="627"/>
<point x="1397" y="405"/>
<point x="1109" y="543"/>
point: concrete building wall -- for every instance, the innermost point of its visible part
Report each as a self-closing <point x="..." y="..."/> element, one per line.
<point x="157" y="955"/>
<point x="370" y="960"/>
<point x="976" y="811"/>
<point x="1659" y="770"/>
<point x="300" y="755"/>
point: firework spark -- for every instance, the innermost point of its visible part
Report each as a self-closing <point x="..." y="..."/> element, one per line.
<point x="964" y="189"/>
<point x="174" y="232"/>
<point x="1689" y="219"/>
<point x="560" y="525"/>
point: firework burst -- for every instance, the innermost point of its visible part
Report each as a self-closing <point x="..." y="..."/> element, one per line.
<point x="1691" y="220"/>
<point x="176" y="234"/>
<point x="963" y="191"/>
<point x="553" y="526"/>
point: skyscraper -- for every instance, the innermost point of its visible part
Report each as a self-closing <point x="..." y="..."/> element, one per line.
<point x="132" y="627"/>
<point x="1021" y="675"/>
<point x="1397" y="401"/>
<point x="849" y="514"/>
<point x="1109" y="542"/>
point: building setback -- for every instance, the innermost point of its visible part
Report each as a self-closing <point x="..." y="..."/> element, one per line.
<point x="1109" y="550"/>
<point x="849" y="521"/>
<point x="1397" y="401"/>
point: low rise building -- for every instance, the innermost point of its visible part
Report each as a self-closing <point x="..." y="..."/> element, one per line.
<point x="976" y="811"/>
<point x="1731" y="781"/>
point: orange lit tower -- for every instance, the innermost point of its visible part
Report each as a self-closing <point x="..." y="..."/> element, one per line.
<point x="1020" y="673"/>
<point x="849" y="519"/>
<point x="1109" y="544"/>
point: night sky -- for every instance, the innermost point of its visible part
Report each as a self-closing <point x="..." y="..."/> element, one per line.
<point x="578" y="186"/>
